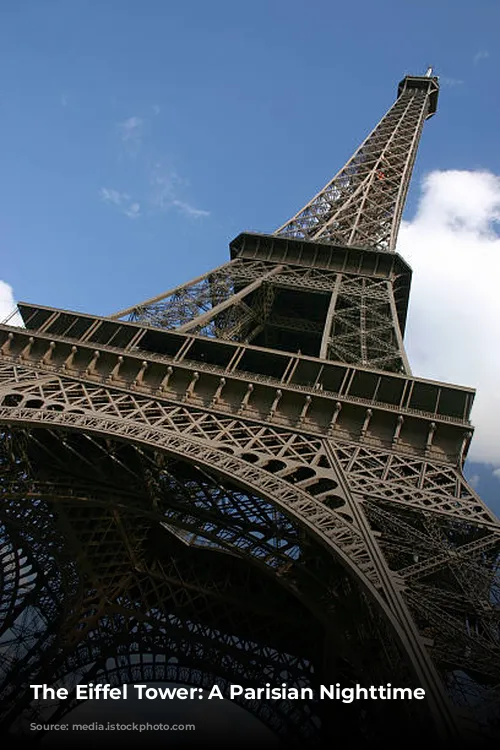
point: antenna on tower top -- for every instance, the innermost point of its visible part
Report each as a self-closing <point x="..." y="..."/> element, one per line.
<point x="428" y="72"/>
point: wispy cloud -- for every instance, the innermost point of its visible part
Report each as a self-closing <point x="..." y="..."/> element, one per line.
<point x="122" y="201"/>
<point x="163" y="187"/>
<point x="133" y="211"/>
<point x="156" y="109"/>
<point x="447" y="81"/>
<point x="109" y="195"/>
<point x="64" y="100"/>
<point x="165" y="194"/>
<point x="474" y="481"/>
<point x="131" y="133"/>
<point x="481" y="55"/>
<point x="188" y="210"/>
<point x="157" y="189"/>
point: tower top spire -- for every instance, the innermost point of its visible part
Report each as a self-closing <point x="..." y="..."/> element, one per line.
<point x="363" y="204"/>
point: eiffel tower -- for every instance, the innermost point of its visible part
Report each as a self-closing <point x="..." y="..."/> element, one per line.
<point x="240" y="481"/>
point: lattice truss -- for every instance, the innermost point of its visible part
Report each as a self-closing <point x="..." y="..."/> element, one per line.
<point x="355" y="320"/>
<point x="140" y="616"/>
<point x="144" y="537"/>
<point x="232" y="302"/>
<point x="392" y="560"/>
<point x="364" y="326"/>
<point x="362" y="205"/>
<point x="349" y="317"/>
<point x="142" y="607"/>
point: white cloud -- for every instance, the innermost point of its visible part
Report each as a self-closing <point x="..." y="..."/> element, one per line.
<point x="188" y="210"/>
<point x="129" y="128"/>
<point x="110" y="195"/>
<point x="163" y="198"/>
<point x="454" y="321"/>
<point x="7" y="303"/>
<point x="481" y="55"/>
<point x="133" y="211"/>
<point x="165" y="190"/>
<point x="122" y="201"/>
<point x="165" y="185"/>
<point x="474" y="481"/>
<point x="448" y="81"/>
<point x="496" y="473"/>
<point x="131" y="131"/>
<point x="8" y="310"/>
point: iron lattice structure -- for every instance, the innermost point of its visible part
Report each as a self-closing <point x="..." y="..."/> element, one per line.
<point x="240" y="481"/>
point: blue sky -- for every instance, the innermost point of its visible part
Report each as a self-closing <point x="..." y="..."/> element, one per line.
<point x="258" y="105"/>
<point x="139" y="137"/>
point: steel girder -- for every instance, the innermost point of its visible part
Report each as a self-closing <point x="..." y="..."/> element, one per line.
<point x="297" y="519"/>
<point x="396" y="523"/>
<point x="129" y="579"/>
<point x="362" y="205"/>
<point x="356" y="320"/>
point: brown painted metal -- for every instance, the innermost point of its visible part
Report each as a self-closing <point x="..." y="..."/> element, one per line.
<point x="363" y="204"/>
<point x="243" y="483"/>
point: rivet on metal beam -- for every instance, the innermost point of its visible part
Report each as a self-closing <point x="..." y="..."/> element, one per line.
<point x="305" y="409"/>
<point x="27" y="349"/>
<point x="246" y="398"/>
<point x="68" y="362"/>
<point x="369" y="414"/>
<point x="430" y="436"/>
<point x="333" y="421"/>
<point x="6" y="346"/>
<point x="397" y="430"/>
<point x="190" y="389"/>
<point x="465" y="444"/>
<point x="164" y="383"/>
<point x="217" y="394"/>
<point x="140" y="375"/>
<point x="113" y="375"/>
<point x="275" y="403"/>
<point x="93" y="363"/>
<point x="48" y="354"/>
